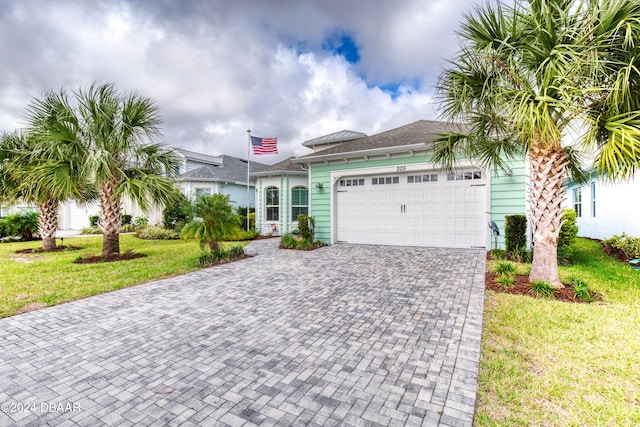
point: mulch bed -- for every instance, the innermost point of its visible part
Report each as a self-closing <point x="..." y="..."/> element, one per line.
<point x="56" y="249"/>
<point x="260" y="237"/>
<point x="227" y="261"/>
<point x="315" y="246"/>
<point x="521" y="287"/>
<point x="125" y="256"/>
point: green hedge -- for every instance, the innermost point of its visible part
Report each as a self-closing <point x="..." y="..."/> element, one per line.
<point x="515" y="233"/>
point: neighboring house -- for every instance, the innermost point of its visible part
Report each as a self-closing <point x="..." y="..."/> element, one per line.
<point x="605" y="208"/>
<point x="198" y="174"/>
<point x="384" y="189"/>
<point x="282" y="193"/>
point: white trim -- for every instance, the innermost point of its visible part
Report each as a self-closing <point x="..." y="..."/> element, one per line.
<point x="361" y="153"/>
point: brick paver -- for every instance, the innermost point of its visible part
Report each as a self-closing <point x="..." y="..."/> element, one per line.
<point x="344" y="335"/>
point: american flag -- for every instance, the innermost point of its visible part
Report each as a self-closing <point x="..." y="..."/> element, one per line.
<point x="264" y="145"/>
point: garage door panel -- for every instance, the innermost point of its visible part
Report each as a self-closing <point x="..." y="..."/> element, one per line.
<point x="414" y="210"/>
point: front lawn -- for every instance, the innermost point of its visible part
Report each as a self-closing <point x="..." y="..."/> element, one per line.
<point x="550" y="363"/>
<point x="36" y="280"/>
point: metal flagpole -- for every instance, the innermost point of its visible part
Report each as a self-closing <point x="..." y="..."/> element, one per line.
<point x="248" y="171"/>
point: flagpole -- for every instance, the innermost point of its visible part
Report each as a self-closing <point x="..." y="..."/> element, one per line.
<point x="248" y="172"/>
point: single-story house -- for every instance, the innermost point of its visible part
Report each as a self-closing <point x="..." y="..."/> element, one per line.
<point x="605" y="208"/>
<point x="385" y="189"/>
<point x="197" y="174"/>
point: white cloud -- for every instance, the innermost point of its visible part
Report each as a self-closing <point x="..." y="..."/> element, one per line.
<point x="216" y="68"/>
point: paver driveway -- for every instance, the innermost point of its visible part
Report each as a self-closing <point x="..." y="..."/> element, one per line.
<point x="344" y="335"/>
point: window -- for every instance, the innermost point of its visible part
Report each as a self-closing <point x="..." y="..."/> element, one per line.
<point x="272" y="204"/>
<point x="299" y="202"/>
<point x="385" y="180"/>
<point x="577" y="201"/>
<point x="432" y="177"/>
<point x="463" y="176"/>
<point x="593" y="199"/>
<point x="203" y="192"/>
<point x="355" y="182"/>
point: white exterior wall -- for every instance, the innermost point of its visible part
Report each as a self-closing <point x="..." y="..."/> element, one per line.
<point x="286" y="223"/>
<point x="617" y="209"/>
<point x="75" y="216"/>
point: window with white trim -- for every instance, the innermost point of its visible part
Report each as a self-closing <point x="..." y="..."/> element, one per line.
<point x="577" y="201"/>
<point x="272" y="204"/>
<point x="299" y="202"/>
<point x="203" y="192"/>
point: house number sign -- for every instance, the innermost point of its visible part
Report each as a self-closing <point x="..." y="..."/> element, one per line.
<point x="401" y="169"/>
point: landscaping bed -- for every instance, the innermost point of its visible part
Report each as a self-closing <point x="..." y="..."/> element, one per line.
<point x="522" y="286"/>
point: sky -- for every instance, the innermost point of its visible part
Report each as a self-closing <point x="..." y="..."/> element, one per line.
<point x="291" y="69"/>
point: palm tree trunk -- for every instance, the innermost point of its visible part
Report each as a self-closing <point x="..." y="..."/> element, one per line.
<point x="48" y="223"/>
<point x="110" y="219"/>
<point x="213" y="246"/>
<point x="546" y="193"/>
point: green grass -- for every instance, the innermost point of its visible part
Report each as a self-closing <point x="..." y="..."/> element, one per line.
<point x="550" y="363"/>
<point x="53" y="278"/>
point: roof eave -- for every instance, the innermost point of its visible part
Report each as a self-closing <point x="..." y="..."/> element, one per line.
<point x="276" y="172"/>
<point x="361" y="153"/>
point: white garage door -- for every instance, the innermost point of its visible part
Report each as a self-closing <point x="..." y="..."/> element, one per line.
<point x="413" y="209"/>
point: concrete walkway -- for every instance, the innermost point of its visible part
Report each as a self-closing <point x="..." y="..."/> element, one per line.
<point x="343" y="335"/>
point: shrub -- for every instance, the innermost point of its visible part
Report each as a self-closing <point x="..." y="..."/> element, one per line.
<point x="177" y="213"/>
<point x="305" y="244"/>
<point x="497" y="254"/>
<point x="126" y="219"/>
<point x="504" y="267"/>
<point x="569" y="229"/>
<point x="628" y="246"/>
<point x="288" y="241"/>
<point x="306" y="225"/>
<point x="93" y="220"/>
<point x="127" y="228"/>
<point x="141" y="222"/>
<point x="581" y="289"/>
<point x="4" y="228"/>
<point x="241" y="235"/>
<point x="23" y="224"/>
<point x="157" y="233"/>
<point x="542" y="289"/>
<point x="515" y="232"/>
<point x="236" y="252"/>
<point x="242" y="212"/>
<point x="211" y="257"/>
<point x="91" y="230"/>
<point x="506" y="280"/>
<point x="522" y="255"/>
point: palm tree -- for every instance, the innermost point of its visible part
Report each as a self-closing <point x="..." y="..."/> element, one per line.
<point x="215" y="219"/>
<point x="532" y="76"/>
<point x="30" y="176"/>
<point x="112" y="133"/>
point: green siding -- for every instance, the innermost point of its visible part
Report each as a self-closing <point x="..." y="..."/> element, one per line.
<point x="507" y="193"/>
<point x="508" y="196"/>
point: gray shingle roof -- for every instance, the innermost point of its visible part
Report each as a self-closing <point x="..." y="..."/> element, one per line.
<point x="231" y="169"/>
<point x="192" y="155"/>
<point x="417" y="133"/>
<point x="284" y="167"/>
<point x="343" y="135"/>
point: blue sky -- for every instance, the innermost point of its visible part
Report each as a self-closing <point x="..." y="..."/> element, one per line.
<point x="291" y="69"/>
